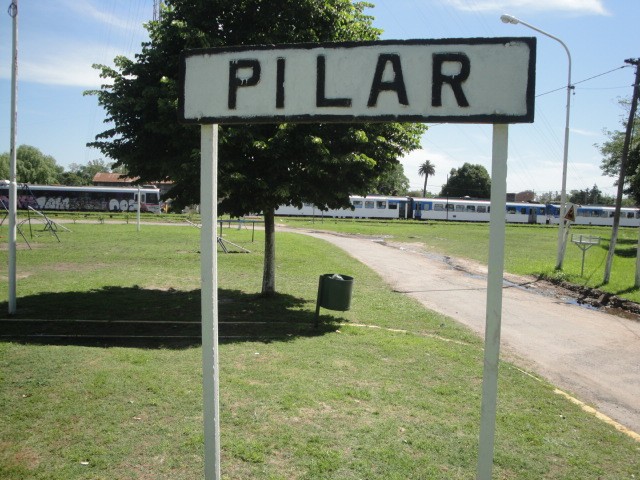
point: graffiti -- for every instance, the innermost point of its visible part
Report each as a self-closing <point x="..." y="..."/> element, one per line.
<point x="87" y="201"/>
<point x="86" y="204"/>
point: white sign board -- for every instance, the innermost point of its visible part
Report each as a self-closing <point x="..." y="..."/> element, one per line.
<point x="473" y="80"/>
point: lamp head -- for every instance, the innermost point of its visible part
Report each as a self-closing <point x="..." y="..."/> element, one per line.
<point x="509" y="19"/>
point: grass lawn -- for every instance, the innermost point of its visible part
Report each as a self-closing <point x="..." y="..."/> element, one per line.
<point x="400" y="401"/>
<point x="529" y="249"/>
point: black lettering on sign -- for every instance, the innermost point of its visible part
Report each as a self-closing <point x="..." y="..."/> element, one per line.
<point x="321" y="100"/>
<point x="280" y="83"/>
<point x="455" y="81"/>
<point x="235" y="82"/>
<point x="396" y="85"/>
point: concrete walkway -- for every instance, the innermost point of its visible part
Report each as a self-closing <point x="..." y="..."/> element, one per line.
<point x="592" y="355"/>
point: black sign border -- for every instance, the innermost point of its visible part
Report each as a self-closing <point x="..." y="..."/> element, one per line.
<point x="528" y="117"/>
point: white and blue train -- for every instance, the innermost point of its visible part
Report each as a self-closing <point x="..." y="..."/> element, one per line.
<point x="462" y="210"/>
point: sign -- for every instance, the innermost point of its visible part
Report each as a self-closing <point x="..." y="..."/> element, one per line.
<point x="570" y="216"/>
<point x="473" y="80"/>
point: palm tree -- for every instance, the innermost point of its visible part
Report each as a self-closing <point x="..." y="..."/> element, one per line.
<point x="426" y="169"/>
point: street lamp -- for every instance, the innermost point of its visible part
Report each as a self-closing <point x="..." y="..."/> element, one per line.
<point x="563" y="195"/>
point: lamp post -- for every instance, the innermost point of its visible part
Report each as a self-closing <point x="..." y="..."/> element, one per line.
<point x="563" y="194"/>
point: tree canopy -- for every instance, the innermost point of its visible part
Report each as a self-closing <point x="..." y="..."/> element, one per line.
<point x="611" y="152"/>
<point x="590" y="196"/>
<point x="83" y="174"/>
<point x="468" y="181"/>
<point x="260" y="166"/>
<point x="32" y="166"/>
<point x="392" y="182"/>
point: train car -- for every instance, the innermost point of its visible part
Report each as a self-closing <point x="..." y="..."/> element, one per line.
<point x="599" y="215"/>
<point x="373" y="206"/>
<point x="469" y="210"/>
<point x="83" y="199"/>
<point x="463" y="210"/>
<point x="377" y="206"/>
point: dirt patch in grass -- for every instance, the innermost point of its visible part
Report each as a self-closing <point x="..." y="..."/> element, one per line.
<point x="25" y="458"/>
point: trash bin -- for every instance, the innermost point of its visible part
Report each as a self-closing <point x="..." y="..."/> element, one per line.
<point x="334" y="292"/>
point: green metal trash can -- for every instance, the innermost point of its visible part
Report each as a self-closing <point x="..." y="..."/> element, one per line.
<point x="334" y="292"/>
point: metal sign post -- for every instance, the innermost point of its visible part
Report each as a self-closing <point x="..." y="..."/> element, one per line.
<point x="476" y="80"/>
<point x="584" y="242"/>
<point x="209" y="298"/>
<point x="494" y="301"/>
<point x="138" y="211"/>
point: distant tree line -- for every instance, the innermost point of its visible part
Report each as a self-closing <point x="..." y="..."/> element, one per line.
<point x="35" y="167"/>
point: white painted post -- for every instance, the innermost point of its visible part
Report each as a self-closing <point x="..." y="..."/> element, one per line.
<point x="494" y="301"/>
<point x="13" y="185"/>
<point x="209" y="301"/>
<point x="138" y="209"/>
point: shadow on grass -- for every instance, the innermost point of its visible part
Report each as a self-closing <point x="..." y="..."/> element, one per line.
<point x="627" y="290"/>
<point x="137" y="317"/>
<point x="623" y="251"/>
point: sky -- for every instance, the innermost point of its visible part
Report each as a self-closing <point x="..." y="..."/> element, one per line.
<point x="59" y="40"/>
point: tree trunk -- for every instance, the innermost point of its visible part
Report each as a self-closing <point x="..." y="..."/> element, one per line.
<point x="269" y="270"/>
<point x="424" y="190"/>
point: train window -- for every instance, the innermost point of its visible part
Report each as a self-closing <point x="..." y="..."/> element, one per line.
<point x="438" y="207"/>
<point x="393" y="206"/>
<point x="449" y="206"/>
<point x="471" y="208"/>
<point x="381" y="204"/>
<point x="357" y="203"/>
<point x="481" y="209"/>
<point x="368" y="204"/>
<point x="459" y="208"/>
<point x="629" y="214"/>
<point x="511" y="209"/>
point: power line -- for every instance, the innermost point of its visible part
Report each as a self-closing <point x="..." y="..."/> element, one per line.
<point x="582" y="81"/>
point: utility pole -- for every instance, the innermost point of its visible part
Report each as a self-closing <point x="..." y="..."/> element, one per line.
<point x="623" y="166"/>
<point x="157" y="10"/>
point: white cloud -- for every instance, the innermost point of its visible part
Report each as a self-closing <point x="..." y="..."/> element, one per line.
<point x="585" y="133"/>
<point x="68" y="65"/>
<point x="572" y="6"/>
<point x="66" y="73"/>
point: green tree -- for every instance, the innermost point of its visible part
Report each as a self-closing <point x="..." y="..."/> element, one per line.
<point x="590" y="196"/>
<point x="468" y="181"/>
<point x="427" y="169"/>
<point x="260" y="166"/>
<point x="32" y="166"/>
<point x="83" y="174"/>
<point x="548" y="197"/>
<point x="611" y="152"/>
<point x="392" y="182"/>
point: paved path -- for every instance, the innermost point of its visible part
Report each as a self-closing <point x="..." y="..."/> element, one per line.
<point x="593" y="355"/>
